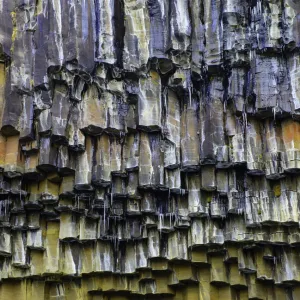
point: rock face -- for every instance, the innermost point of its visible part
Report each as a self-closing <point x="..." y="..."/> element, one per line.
<point x="149" y="149"/>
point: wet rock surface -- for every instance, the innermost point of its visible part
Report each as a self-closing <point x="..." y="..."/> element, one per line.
<point x="149" y="149"/>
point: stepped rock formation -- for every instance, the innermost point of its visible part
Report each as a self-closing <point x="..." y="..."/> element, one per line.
<point x="149" y="149"/>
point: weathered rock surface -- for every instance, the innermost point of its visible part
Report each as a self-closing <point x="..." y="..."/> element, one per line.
<point x="149" y="149"/>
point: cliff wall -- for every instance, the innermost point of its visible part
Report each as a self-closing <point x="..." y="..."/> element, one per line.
<point x="149" y="149"/>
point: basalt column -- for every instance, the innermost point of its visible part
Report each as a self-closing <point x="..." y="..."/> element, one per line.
<point x="149" y="149"/>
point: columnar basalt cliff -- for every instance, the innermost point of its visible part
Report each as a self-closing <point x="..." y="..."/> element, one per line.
<point x="149" y="149"/>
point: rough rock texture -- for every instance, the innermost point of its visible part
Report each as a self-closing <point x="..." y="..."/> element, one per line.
<point x="149" y="149"/>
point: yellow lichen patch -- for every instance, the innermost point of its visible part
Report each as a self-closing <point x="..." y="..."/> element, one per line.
<point x="31" y="83"/>
<point x="13" y="290"/>
<point x="2" y="149"/>
<point x="13" y="16"/>
<point x="51" y="255"/>
<point x="14" y="32"/>
<point x="155" y="77"/>
<point x="277" y="190"/>
<point x="36" y="257"/>
<point x="39" y="7"/>
<point x="12" y="149"/>
<point x="73" y="291"/>
<point x="66" y="184"/>
<point x="46" y="187"/>
<point x="2" y="84"/>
